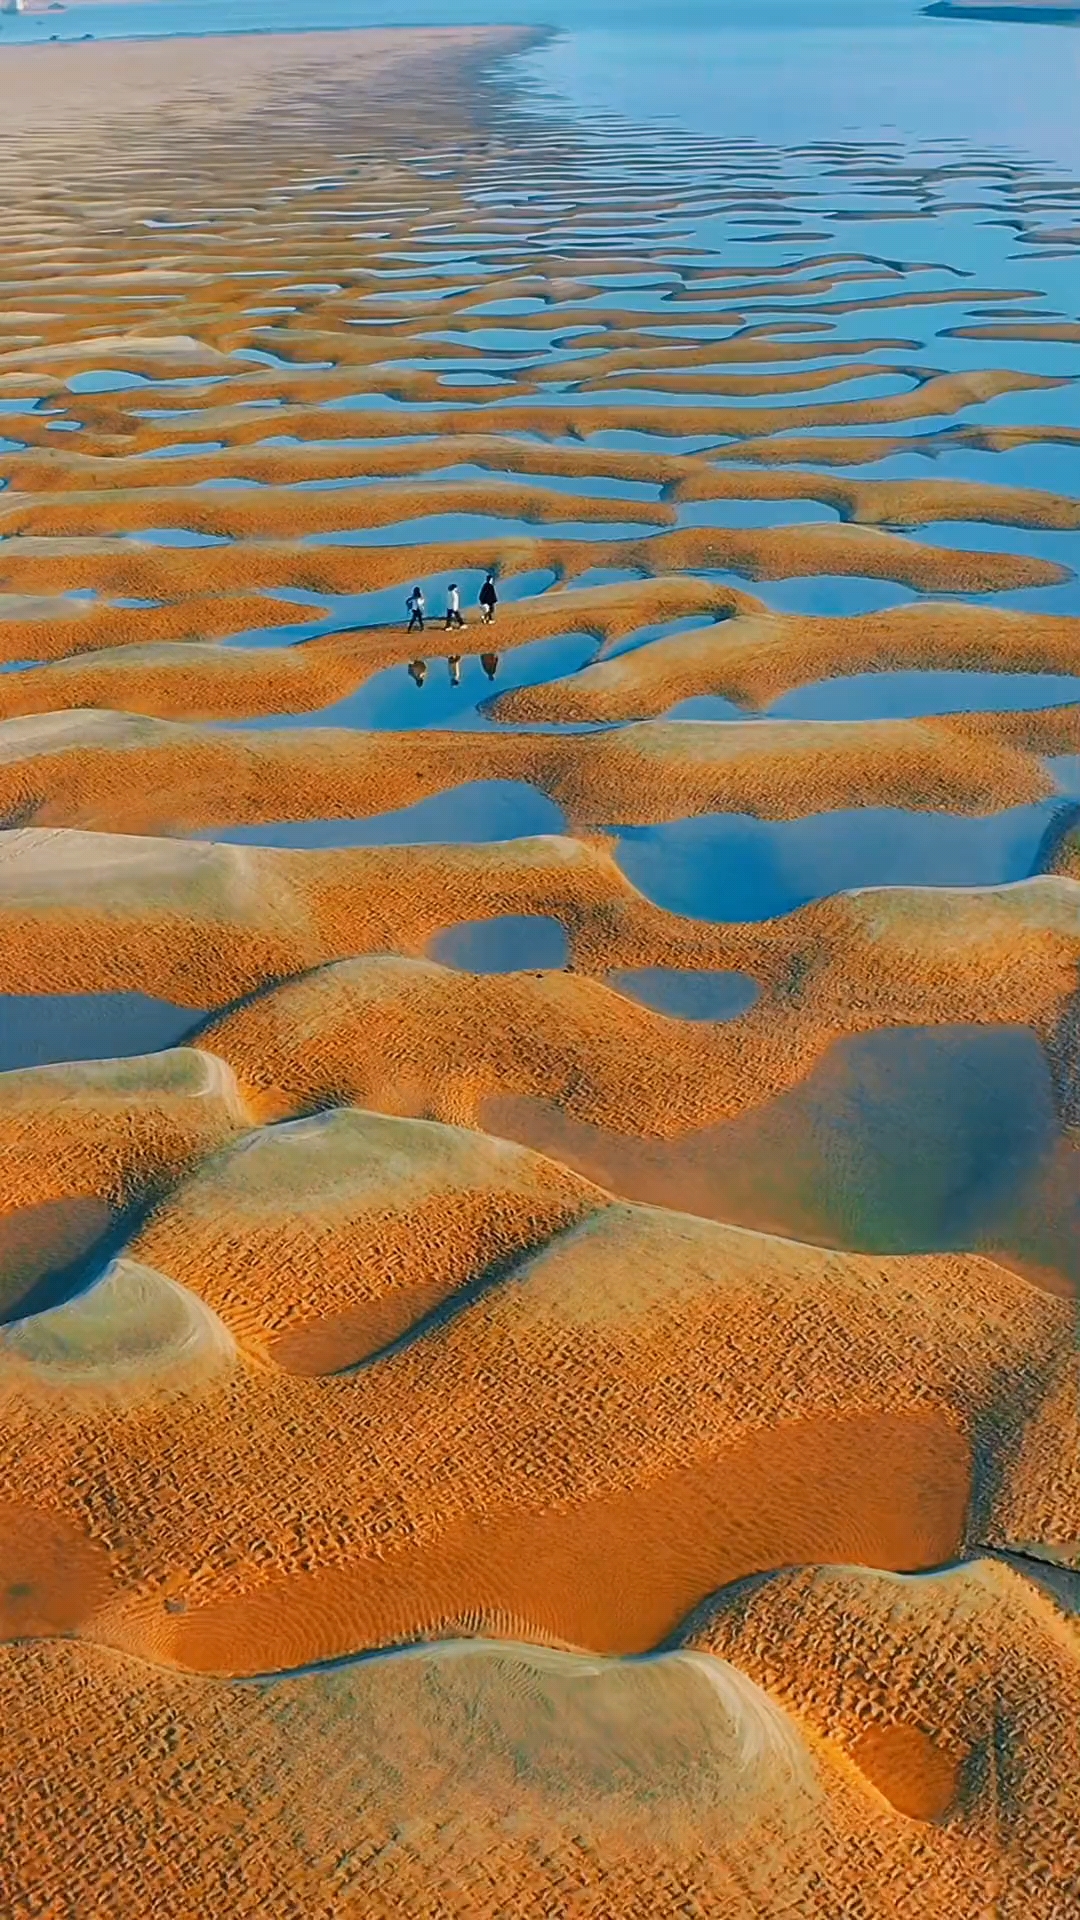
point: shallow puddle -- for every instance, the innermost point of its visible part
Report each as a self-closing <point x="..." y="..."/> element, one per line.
<point x="38" y="1029"/>
<point x="688" y="994"/>
<point x="729" y="866"/>
<point x="482" y="810"/>
<point x="508" y="943"/>
<point x="905" y="1140"/>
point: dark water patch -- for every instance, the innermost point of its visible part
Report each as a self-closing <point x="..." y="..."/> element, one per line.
<point x="439" y="529"/>
<point x="385" y="606"/>
<point x="478" y="812"/>
<point x="690" y="994"/>
<point x="509" y="943"/>
<point x="440" y="689"/>
<point x="906" y="1140"/>
<point x="753" y="513"/>
<point x="730" y="866"/>
<point x="827" y="593"/>
<point x="38" y="1030"/>
<point x="911" y="694"/>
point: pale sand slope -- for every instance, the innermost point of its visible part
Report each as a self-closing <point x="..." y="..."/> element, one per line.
<point x="649" y="1407"/>
<point x="451" y="1780"/>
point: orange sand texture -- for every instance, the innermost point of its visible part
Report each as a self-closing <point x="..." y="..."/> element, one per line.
<point x="475" y="1446"/>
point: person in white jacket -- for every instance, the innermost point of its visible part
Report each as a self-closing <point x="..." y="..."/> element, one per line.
<point x="453" y="607"/>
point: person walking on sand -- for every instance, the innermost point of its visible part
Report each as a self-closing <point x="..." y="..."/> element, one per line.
<point x="453" y="607"/>
<point x="488" y="599"/>
<point x="416" y="608"/>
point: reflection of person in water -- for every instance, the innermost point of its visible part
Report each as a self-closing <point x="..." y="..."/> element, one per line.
<point x="453" y="607"/>
<point x="488" y="599"/>
<point x="415" y="608"/>
<point x="490" y="664"/>
<point x="453" y="667"/>
<point x="418" y="671"/>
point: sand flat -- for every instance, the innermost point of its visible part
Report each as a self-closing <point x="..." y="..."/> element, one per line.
<point x="668" y="1420"/>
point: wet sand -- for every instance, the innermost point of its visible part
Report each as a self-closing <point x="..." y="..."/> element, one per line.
<point x="504" y="1176"/>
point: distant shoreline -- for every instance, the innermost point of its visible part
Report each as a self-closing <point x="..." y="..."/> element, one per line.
<point x="1030" y="12"/>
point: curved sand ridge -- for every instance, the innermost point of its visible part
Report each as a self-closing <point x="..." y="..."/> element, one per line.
<point x="933" y="1689"/>
<point x="85" y="1144"/>
<point x="381" y="1030"/>
<point x="747" y="654"/>
<point x="683" y="1782"/>
<point x="29" y="564"/>
<point x="539" y="1426"/>
<point x="202" y="925"/>
<point x="322" y="1240"/>
<point x="122" y="773"/>
<point x="212" y="923"/>
<point x="756" y="656"/>
<point x="335" y="664"/>
<point x="277" y="296"/>
<point x="159" y="491"/>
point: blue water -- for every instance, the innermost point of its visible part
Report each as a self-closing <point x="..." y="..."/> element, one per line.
<point x="910" y="695"/>
<point x="482" y="810"/>
<point x="37" y="1029"/>
<point x="689" y="994"/>
<point x="728" y="866"/>
<point x="787" y="74"/>
<point x="907" y="694"/>
<point x="509" y="943"/>
<point x="393" y="699"/>
<point x="778" y="70"/>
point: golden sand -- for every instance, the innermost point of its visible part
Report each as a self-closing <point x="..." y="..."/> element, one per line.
<point x="538" y="1426"/>
<point x="304" y="1239"/>
<point x="119" y="773"/>
<point x="371" y="1376"/>
<point x="408" y="1036"/>
<point x="84" y="1144"/>
<point x="683" y="1781"/>
<point x="37" y="565"/>
<point x="757" y="656"/>
<point x="313" y="674"/>
<point x="85" y="913"/>
<point x="931" y="1689"/>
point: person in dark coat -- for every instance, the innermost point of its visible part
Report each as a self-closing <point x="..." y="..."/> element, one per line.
<point x="489" y="599"/>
